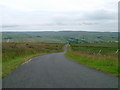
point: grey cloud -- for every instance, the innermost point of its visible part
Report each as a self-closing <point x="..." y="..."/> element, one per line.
<point x="9" y="26"/>
<point x="59" y="20"/>
<point x="101" y="15"/>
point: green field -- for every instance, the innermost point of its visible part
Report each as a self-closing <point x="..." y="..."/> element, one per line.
<point x="15" y="54"/>
<point x="60" y="37"/>
<point x="96" y="48"/>
<point x="90" y="55"/>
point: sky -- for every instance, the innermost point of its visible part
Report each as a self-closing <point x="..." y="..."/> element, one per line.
<point x="59" y="15"/>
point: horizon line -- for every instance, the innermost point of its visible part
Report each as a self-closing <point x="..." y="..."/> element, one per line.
<point x="55" y="31"/>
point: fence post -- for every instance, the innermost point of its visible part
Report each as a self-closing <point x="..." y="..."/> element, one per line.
<point x="116" y="51"/>
<point x="99" y="51"/>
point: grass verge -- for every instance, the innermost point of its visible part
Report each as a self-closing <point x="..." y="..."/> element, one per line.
<point x="15" y="54"/>
<point x="105" y="64"/>
<point x="9" y="66"/>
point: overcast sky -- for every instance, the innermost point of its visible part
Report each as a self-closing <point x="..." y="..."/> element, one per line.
<point x="56" y="15"/>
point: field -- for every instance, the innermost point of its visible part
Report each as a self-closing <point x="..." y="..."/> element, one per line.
<point x="98" y="48"/>
<point x="14" y="54"/>
<point x="60" y="37"/>
<point x="101" y="56"/>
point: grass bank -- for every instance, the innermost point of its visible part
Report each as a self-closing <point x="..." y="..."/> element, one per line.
<point x="9" y="66"/>
<point x="103" y="62"/>
<point x="15" y="54"/>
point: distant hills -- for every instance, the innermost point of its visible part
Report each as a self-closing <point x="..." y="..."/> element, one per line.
<point x="60" y="37"/>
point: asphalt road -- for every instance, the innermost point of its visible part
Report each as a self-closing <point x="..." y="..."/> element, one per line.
<point x="57" y="71"/>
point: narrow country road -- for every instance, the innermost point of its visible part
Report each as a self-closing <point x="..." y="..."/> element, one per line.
<point x="57" y="71"/>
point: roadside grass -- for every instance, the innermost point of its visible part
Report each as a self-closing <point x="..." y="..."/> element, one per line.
<point x="9" y="66"/>
<point x="106" y="63"/>
<point x="15" y="54"/>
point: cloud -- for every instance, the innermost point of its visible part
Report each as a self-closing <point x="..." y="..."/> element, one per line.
<point x="99" y="15"/>
<point x="9" y="26"/>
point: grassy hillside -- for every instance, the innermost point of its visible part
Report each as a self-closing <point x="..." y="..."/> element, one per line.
<point x="101" y="56"/>
<point x="14" y="54"/>
<point x="60" y="37"/>
<point x="95" y="49"/>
